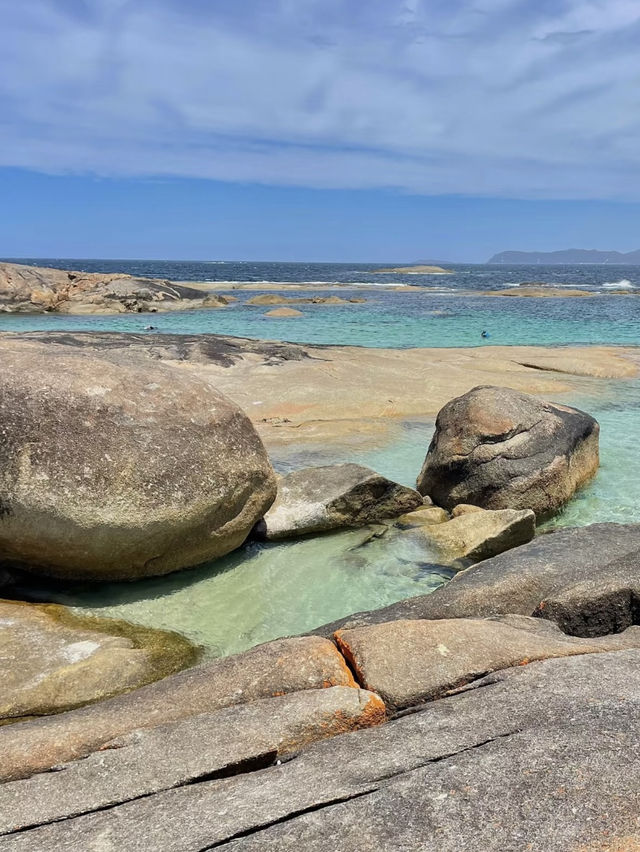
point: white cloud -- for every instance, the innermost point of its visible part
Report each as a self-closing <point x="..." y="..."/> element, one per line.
<point x="528" y="98"/>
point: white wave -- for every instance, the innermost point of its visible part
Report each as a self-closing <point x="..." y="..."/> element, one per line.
<point x="623" y="284"/>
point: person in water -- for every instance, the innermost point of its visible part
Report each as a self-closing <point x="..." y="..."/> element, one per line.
<point x="485" y="334"/>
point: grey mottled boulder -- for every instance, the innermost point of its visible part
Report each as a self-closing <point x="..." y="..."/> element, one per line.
<point x="317" y="499"/>
<point x="500" y="449"/>
<point x="121" y="471"/>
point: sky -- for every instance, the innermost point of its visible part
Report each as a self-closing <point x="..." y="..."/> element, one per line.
<point x="369" y="130"/>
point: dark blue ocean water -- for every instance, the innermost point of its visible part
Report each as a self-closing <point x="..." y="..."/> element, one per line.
<point x="445" y="310"/>
<point x="466" y="276"/>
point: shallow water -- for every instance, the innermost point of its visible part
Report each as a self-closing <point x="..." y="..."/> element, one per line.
<point x="265" y="591"/>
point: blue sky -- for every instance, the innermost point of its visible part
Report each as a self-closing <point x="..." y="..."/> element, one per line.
<point x="318" y="129"/>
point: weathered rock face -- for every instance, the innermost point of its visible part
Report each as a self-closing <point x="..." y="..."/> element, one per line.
<point x="317" y="499"/>
<point x="276" y="668"/>
<point x="585" y="579"/>
<point x="410" y="662"/>
<point x="514" y="765"/>
<point x="52" y="660"/>
<point x="500" y="449"/>
<point x="39" y="289"/>
<point x="422" y="516"/>
<point x="480" y="535"/>
<point x="118" y="471"/>
<point x="246" y="737"/>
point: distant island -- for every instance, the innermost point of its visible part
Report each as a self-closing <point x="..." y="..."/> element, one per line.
<point x="568" y="256"/>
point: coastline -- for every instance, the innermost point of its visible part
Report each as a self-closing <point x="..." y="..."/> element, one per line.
<point x="299" y="394"/>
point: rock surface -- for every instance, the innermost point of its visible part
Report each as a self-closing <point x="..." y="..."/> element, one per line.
<point x="52" y="660"/>
<point x="38" y="289"/>
<point x="410" y="662"/>
<point x="422" y="516"/>
<point x="237" y="739"/>
<point x="120" y="471"/>
<point x="317" y="499"/>
<point x="277" y="668"/>
<point x="284" y="312"/>
<point x="499" y="449"/>
<point x="585" y="579"/>
<point x="324" y="394"/>
<point x="480" y="535"/>
<point x="542" y="757"/>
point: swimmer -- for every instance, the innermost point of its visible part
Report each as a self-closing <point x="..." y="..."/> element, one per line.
<point x="150" y="327"/>
<point x="485" y="334"/>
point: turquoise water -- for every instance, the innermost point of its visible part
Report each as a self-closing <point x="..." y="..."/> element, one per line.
<point x="262" y="592"/>
<point x="265" y="591"/>
<point x="387" y="319"/>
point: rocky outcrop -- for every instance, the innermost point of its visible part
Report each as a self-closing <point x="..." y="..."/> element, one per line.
<point x="237" y="739"/>
<point x="423" y="516"/>
<point x="276" y="299"/>
<point x="119" y="471"/>
<point x="543" y="756"/>
<point x="479" y="535"/>
<point x="34" y="289"/>
<point x="317" y="499"/>
<point x="277" y="668"/>
<point x="584" y="579"/>
<point x="410" y="662"/>
<point x="500" y="449"/>
<point x="53" y="660"/>
<point x="284" y="312"/>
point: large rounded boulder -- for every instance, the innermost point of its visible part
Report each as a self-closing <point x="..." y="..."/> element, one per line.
<point x="499" y="449"/>
<point x="121" y="471"/>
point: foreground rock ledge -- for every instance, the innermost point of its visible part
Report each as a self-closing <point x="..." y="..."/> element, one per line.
<point x="277" y="668"/>
<point x="121" y="471"/>
<point x="410" y="662"/>
<point x="499" y="449"/>
<point x="543" y="756"/>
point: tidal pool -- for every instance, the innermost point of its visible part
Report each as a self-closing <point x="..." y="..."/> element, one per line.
<point x="262" y="592"/>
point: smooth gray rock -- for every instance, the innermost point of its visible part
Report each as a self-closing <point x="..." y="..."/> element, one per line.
<point x="541" y="757"/>
<point x="586" y="579"/>
<point x="417" y="660"/>
<point x="118" y="471"/>
<point x="276" y="668"/>
<point x="500" y="449"/>
<point x="233" y="740"/>
<point x="317" y="499"/>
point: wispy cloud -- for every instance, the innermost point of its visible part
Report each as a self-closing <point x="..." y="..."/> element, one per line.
<point x="528" y="98"/>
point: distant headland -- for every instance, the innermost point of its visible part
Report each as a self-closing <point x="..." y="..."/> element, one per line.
<point x="631" y="258"/>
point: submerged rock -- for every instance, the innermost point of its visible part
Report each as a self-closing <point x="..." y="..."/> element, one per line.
<point x="277" y="668"/>
<point x="284" y="312"/>
<point x="53" y="660"/>
<point x="500" y="449"/>
<point x="479" y="535"/>
<point x="317" y="499"/>
<point x="121" y="471"/>
<point x="584" y="579"/>
<point x="410" y="662"/>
